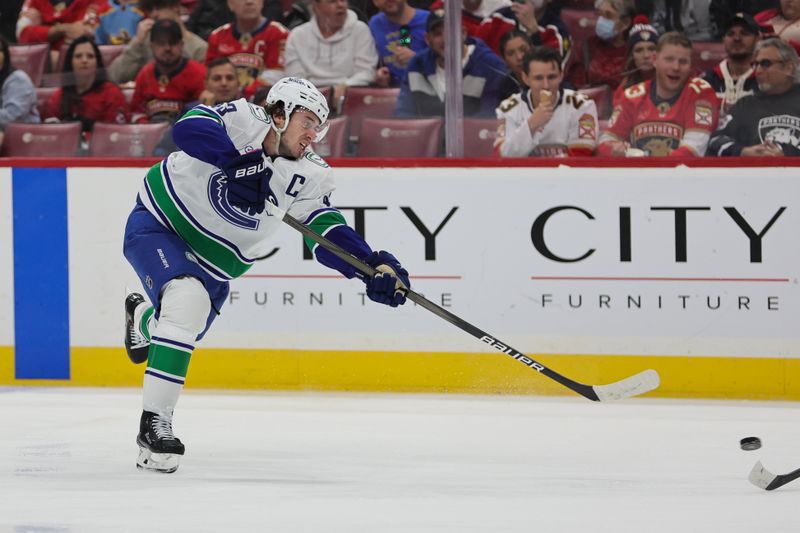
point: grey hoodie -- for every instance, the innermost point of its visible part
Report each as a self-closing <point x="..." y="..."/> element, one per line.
<point x="348" y="56"/>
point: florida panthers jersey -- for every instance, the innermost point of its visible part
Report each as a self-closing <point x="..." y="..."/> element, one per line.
<point x="256" y="55"/>
<point x="571" y="131"/>
<point x="681" y="126"/>
<point x="187" y="192"/>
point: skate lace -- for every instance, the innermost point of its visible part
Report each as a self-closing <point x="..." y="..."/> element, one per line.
<point x="162" y="428"/>
<point x="137" y="340"/>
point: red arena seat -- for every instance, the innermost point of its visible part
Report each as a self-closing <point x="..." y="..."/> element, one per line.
<point x="480" y="135"/>
<point x="335" y="142"/>
<point x="579" y="22"/>
<point x="363" y="102"/>
<point x="706" y="55"/>
<point x="42" y="140"/>
<point x="601" y="95"/>
<point x="126" y="140"/>
<point x="30" y="58"/>
<point x="386" y="137"/>
<point x="110" y="52"/>
<point x="43" y="94"/>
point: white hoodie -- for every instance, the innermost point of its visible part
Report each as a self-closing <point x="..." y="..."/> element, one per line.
<point x="348" y="56"/>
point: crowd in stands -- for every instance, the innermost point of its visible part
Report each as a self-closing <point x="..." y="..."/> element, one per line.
<point x="540" y="78"/>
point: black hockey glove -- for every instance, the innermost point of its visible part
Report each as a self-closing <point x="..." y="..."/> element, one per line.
<point x="248" y="182"/>
<point x="388" y="285"/>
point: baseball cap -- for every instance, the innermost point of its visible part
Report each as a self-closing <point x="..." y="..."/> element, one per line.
<point x="166" y="28"/>
<point x="745" y="21"/>
<point x="435" y="18"/>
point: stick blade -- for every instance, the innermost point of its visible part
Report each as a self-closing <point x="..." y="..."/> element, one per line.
<point x="761" y="477"/>
<point x="628" y="387"/>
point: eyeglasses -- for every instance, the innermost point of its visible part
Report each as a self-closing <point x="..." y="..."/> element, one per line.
<point x="764" y="63"/>
<point x="405" y="36"/>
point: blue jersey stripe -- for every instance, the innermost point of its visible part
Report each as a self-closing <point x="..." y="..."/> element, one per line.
<point x="41" y="273"/>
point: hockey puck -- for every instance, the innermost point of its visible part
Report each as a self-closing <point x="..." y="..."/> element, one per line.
<point x="750" y="443"/>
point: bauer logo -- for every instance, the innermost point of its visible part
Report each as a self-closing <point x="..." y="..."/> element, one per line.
<point x="522" y="358"/>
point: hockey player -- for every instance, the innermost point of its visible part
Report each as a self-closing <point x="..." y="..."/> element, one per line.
<point x="544" y="120"/>
<point x="670" y="115"/>
<point x="202" y="219"/>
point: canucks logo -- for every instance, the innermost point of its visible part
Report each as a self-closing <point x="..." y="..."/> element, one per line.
<point x="218" y="196"/>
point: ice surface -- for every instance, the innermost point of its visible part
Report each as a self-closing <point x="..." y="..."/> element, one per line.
<point x="289" y="462"/>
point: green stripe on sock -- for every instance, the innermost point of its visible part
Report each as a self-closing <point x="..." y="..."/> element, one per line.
<point x="143" y="329"/>
<point x="168" y="360"/>
<point x="323" y="223"/>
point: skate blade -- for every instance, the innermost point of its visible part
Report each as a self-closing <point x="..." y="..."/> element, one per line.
<point x="165" y="463"/>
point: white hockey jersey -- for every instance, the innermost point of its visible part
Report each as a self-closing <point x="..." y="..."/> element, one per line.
<point x="571" y="131"/>
<point x="189" y="195"/>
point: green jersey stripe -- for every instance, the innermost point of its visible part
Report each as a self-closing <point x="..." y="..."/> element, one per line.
<point x="143" y="329"/>
<point x="169" y="360"/>
<point x="200" y="113"/>
<point x="323" y="223"/>
<point x="208" y="249"/>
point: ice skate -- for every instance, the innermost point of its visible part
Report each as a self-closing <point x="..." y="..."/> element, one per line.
<point x="159" y="449"/>
<point x="135" y="344"/>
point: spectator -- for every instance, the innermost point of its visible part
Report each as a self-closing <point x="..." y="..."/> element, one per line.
<point x="43" y="21"/>
<point x="422" y="92"/>
<point x="17" y="93"/>
<point x="540" y="19"/>
<point x="691" y="17"/>
<point x="641" y="53"/>
<point x="333" y="48"/>
<point x="600" y="60"/>
<point x="209" y="15"/>
<point x="721" y="12"/>
<point x="118" y="24"/>
<point x="733" y="78"/>
<point x="254" y="44"/>
<point x="165" y="85"/>
<point x="668" y="115"/>
<point x="399" y="33"/>
<point x="767" y="123"/>
<point x="86" y="95"/>
<point x="139" y="52"/>
<point x="514" y="46"/>
<point x="546" y="120"/>
<point x="222" y="85"/>
<point x="472" y="13"/>
<point x="784" y="20"/>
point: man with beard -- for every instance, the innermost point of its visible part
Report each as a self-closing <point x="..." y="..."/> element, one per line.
<point x="670" y="115"/>
<point x="733" y="78"/>
<point x="767" y="123"/>
<point x="166" y="84"/>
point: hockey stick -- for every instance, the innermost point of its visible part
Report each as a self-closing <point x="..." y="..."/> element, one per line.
<point x="764" y="479"/>
<point x="631" y="386"/>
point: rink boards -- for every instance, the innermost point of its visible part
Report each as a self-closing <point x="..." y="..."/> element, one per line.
<point x="599" y="272"/>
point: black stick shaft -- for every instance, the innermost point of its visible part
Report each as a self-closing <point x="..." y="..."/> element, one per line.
<point x="584" y="390"/>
